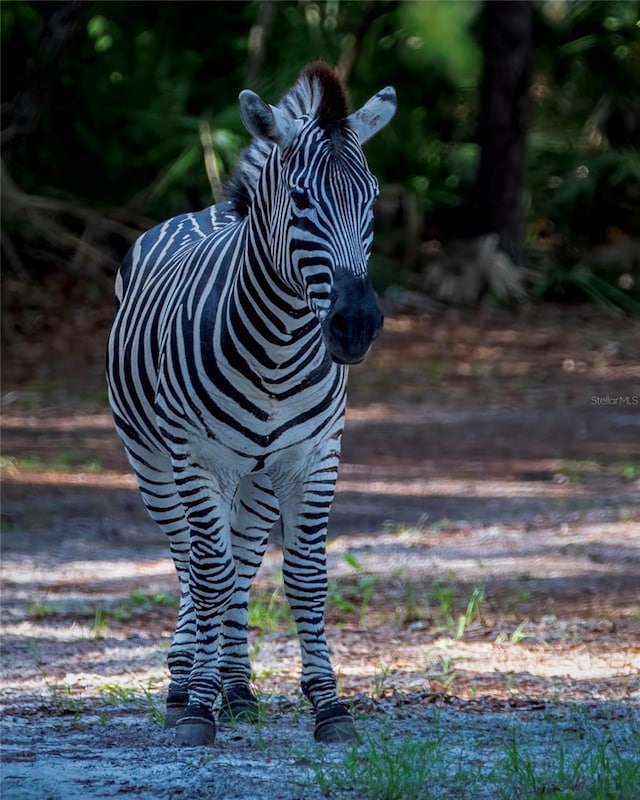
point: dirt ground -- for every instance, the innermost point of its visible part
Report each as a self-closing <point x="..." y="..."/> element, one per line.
<point x="484" y="560"/>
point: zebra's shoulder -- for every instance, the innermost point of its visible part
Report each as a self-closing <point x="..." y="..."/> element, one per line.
<point x="187" y="229"/>
<point x="174" y="237"/>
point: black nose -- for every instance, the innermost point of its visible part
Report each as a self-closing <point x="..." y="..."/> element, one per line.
<point x="354" y="319"/>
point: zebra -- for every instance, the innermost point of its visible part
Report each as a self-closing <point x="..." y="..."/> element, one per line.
<point x="227" y="368"/>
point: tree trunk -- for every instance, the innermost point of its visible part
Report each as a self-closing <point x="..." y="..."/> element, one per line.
<point x="507" y="44"/>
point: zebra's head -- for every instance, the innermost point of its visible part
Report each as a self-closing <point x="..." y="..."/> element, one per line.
<point x="321" y="221"/>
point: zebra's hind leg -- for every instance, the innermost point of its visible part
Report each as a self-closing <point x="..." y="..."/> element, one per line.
<point x="255" y="510"/>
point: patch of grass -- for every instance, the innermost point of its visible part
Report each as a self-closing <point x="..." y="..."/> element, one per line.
<point x="576" y="471"/>
<point x="156" y="714"/>
<point x="140" y="696"/>
<point x="598" y="772"/>
<point x="380" y="680"/>
<point x="99" y="624"/>
<point x="405" y="769"/>
<point x="412" y="609"/>
<point x="442" y="596"/>
<point x="626" y="514"/>
<point x="67" y="460"/>
<point x="336" y="598"/>
<point x="398" y="528"/>
<point x="39" y="395"/>
<point x="135" y="604"/>
<point x="440" y="525"/>
<point x="629" y="472"/>
<point x="142" y="602"/>
<point x="472" y="611"/>
<point x="449" y="620"/>
<point x="514" y="598"/>
<point x="117" y="694"/>
<point x="269" y="612"/>
<point x="442" y="670"/>
<point x="63" y="701"/>
<point x="518" y="768"/>
<point x="40" y="610"/>
<point x="394" y="527"/>
<point x="516" y="636"/>
<point x="366" y="583"/>
<point x="345" y="596"/>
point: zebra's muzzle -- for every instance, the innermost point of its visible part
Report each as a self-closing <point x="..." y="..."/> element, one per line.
<point x="354" y="320"/>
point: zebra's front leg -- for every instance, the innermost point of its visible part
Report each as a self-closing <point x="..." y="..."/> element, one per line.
<point x="255" y="510"/>
<point x="162" y="500"/>
<point x="180" y="657"/>
<point x="212" y="580"/>
<point x="305" y="516"/>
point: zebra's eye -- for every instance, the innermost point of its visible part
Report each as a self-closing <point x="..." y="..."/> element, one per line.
<point x="301" y="198"/>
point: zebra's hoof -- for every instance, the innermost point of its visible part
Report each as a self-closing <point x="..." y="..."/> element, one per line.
<point x="334" y="724"/>
<point x="172" y="714"/>
<point x="239" y="704"/>
<point x="196" y="727"/>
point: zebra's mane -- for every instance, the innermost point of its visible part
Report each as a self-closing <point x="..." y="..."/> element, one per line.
<point x="318" y="93"/>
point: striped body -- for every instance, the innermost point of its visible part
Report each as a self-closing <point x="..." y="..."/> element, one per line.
<point x="227" y="369"/>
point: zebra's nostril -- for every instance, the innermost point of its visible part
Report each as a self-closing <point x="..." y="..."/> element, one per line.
<point x="339" y="324"/>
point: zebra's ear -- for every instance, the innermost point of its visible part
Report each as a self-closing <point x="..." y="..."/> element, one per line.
<point x="374" y="114"/>
<point x="265" y="121"/>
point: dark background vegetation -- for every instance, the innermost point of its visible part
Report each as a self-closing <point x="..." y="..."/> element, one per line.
<point x="511" y="168"/>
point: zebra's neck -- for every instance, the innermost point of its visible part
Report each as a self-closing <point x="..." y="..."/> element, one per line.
<point x="275" y="334"/>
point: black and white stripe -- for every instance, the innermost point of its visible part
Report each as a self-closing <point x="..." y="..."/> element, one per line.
<point x="227" y="370"/>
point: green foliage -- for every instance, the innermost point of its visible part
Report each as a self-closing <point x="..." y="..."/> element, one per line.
<point x="518" y="635"/>
<point x="268" y="613"/>
<point x="118" y="122"/>
<point x="630" y="471"/>
<point x="136" y="604"/>
<point x="67" y="460"/>
<point x="575" y="180"/>
<point x="366" y="584"/>
<point x="438" y="36"/>
<point x="114" y="694"/>
<point x="386" y="770"/>
<point x="124" y="130"/>
<point x="448" y="618"/>
<point x="344" y="595"/>
<point x="574" y="767"/>
<point x="40" y="610"/>
<point x="584" y="163"/>
<point x="595" y="773"/>
<point x="142" y="602"/>
<point x="558" y="281"/>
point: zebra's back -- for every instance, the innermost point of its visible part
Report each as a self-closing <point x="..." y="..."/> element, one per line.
<point x="157" y="273"/>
